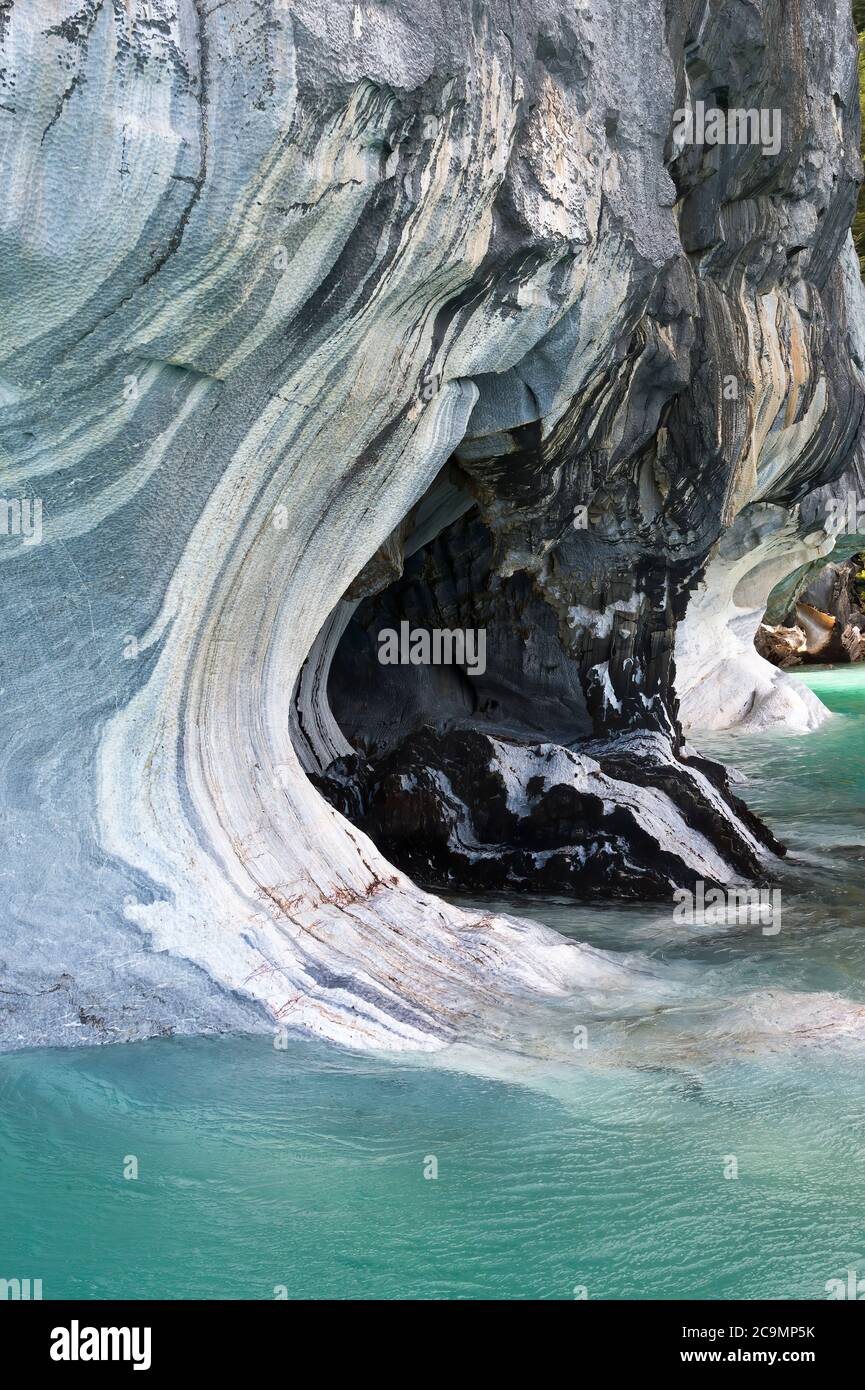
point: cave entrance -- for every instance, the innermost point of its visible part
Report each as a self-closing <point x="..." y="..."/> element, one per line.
<point x="817" y="614"/>
<point x="490" y="776"/>
<point x="484" y="651"/>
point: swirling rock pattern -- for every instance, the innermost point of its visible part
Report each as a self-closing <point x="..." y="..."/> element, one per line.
<point x="265" y="268"/>
<point x="468" y="810"/>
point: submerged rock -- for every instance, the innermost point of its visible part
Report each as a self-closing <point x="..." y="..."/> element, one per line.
<point x="466" y="810"/>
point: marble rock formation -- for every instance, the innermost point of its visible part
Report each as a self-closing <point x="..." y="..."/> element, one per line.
<point x="826" y="603"/>
<point x="853" y="642"/>
<point x="783" y="646"/>
<point x="304" y="302"/>
<point x="466" y="809"/>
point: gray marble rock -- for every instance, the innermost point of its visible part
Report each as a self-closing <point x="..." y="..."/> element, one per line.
<point x="267" y="268"/>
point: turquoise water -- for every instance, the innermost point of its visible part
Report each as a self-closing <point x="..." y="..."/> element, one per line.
<point x="264" y="1172"/>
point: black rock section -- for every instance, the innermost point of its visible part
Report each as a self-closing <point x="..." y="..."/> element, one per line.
<point x="465" y="810"/>
<point x="530" y="688"/>
<point x="822" y="616"/>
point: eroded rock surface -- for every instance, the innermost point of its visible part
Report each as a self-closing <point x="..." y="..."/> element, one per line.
<point x="266" y="270"/>
<point x="826" y="602"/>
<point x="471" y="811"/>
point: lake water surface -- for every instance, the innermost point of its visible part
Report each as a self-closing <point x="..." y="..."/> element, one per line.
<point x="302" y="1172"/>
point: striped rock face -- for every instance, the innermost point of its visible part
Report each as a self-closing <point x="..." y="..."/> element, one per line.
<point x="290" y="289"/>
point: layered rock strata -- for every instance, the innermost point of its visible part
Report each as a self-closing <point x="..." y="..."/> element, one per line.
<point x="268" y="271"/>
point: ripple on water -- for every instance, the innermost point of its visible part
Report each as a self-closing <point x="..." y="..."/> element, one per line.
<point x="304" y="1169"/>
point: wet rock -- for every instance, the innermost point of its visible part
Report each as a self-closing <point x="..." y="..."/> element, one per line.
<point x="466" y="810"/>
